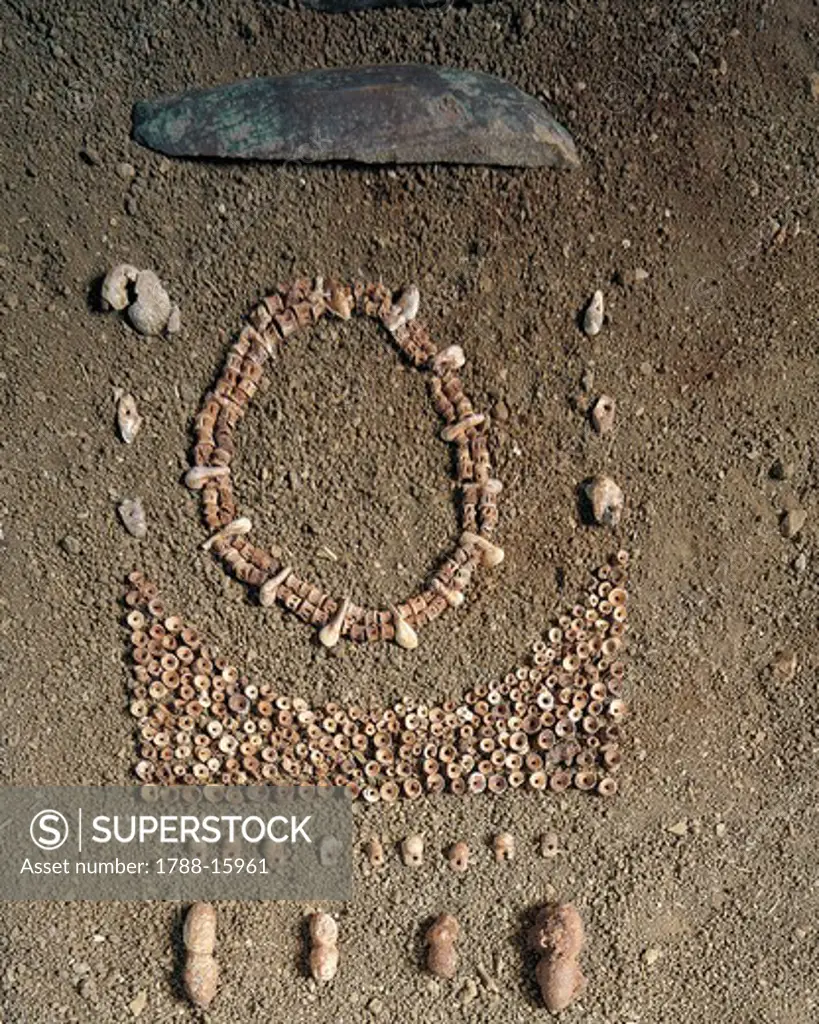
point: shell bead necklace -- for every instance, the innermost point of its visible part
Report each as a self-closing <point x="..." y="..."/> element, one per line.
<point x="301" y="304"/>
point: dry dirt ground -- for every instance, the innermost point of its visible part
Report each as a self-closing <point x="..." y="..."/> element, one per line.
<point x="698" y="134"/>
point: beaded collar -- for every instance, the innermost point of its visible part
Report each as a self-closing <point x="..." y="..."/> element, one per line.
<point x="298" y="305"/>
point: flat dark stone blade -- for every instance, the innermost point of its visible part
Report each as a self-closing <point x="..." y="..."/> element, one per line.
<point x="388" y="114"/>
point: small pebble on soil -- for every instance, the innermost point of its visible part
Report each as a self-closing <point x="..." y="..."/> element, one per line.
<point x="781" y="470"/>
<point x="783" y="667"/>
<point x="70" y="545"/>
<point x="792" y="522"/>
<point x="138" y="1003"/>
<point x="468" y="993"/>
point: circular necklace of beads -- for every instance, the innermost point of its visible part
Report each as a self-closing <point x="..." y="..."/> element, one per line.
<point x="301" y="304"/>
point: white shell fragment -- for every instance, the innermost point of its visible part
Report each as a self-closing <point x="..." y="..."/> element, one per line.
<point x="792" y="522"/>
<point x="503" y="847"/>
<point x="451" y="358"/>
<point x="375" y="853"/>
<point x="237" y="528"/>
<point x="115" y="286"/>
<point x="606" y="500"/>
<point x="783" y="667"/>
<point x="602" y="414"/>
<point x="549" y="845"/>
<point x="150" y="313"/>
<point x="593" y="317"/>
<point x="128" y="419"/>
<point x="133" y="518"/>
<point x="405" y="310"/>
<point x="329" y="851"/>
<point x="196" y="478"/>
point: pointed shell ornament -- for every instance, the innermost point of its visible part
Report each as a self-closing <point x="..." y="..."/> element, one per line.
<point x="458" y="857"/>
<point x="236" y="528"/>
<point x="404" y="310"/>
<point x="405" y="635"/>
<point x="269" y="590"/>
<point x="412" y="851"/>
<point x="549" y="845"/>
<point x="375" y="853"/>
<point x="198" y="476"/>
<point x="330" y="635"/>
<point x="503" y="846"/>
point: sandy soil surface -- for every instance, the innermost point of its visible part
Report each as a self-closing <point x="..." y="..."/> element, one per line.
<point x="698" y="136"/>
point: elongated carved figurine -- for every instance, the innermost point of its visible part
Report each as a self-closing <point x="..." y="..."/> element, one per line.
<point x="323" y="947"/>
<point x="442" y="957"/>
<point x="201" y="974"/>
<point x="558" y="937"/>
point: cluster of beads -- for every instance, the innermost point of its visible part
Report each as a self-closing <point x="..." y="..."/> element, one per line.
<point x="301" y="304"/>
<point x="553" y="723"/>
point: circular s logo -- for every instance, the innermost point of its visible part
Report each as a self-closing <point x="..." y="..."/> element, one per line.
<point x="49" y="830"/>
